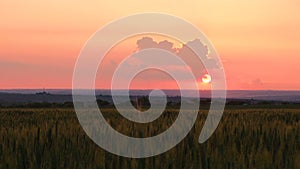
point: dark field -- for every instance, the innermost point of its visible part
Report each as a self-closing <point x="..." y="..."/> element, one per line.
<point x="246" y="138"/>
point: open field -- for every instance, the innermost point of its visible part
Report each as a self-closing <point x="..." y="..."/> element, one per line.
<point x="247" y="138"/>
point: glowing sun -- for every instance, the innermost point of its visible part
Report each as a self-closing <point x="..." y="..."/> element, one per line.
<point x="206" y="78"/>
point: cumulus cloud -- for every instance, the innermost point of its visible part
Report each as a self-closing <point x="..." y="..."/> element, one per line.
<point x="189" y="56"/>
<point x="199" y="49"/>
<point x="148" y="42"/>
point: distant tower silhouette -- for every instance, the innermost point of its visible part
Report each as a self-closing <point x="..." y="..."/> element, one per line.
<point x="138" y="106"/>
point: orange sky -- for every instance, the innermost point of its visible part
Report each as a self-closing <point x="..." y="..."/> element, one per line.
<point x="258" y="41"/>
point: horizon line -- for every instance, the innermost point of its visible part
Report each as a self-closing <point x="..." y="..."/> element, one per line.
<point x="147" y="89"/>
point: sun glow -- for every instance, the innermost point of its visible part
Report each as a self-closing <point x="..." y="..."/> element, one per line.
<point x="206" y="78"/>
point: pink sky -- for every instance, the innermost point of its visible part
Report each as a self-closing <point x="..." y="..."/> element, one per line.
<point x="258" y="41"/>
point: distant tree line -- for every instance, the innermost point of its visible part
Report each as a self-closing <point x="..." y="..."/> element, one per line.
<point x="142" y="102"/>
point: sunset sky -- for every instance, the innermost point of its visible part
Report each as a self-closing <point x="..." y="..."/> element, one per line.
<point x="258" y="41"/>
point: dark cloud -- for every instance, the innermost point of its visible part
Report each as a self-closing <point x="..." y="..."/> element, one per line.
<point x="198" y="47"/>
<point x="147" y="42"/>
<point x="191" y="57"/>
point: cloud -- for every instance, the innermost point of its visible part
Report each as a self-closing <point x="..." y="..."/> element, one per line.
<point x="199" y="48"/>
<point x="185" y="52"/>
<point x="189" y="56"/>
<point x="148" y="42"/>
